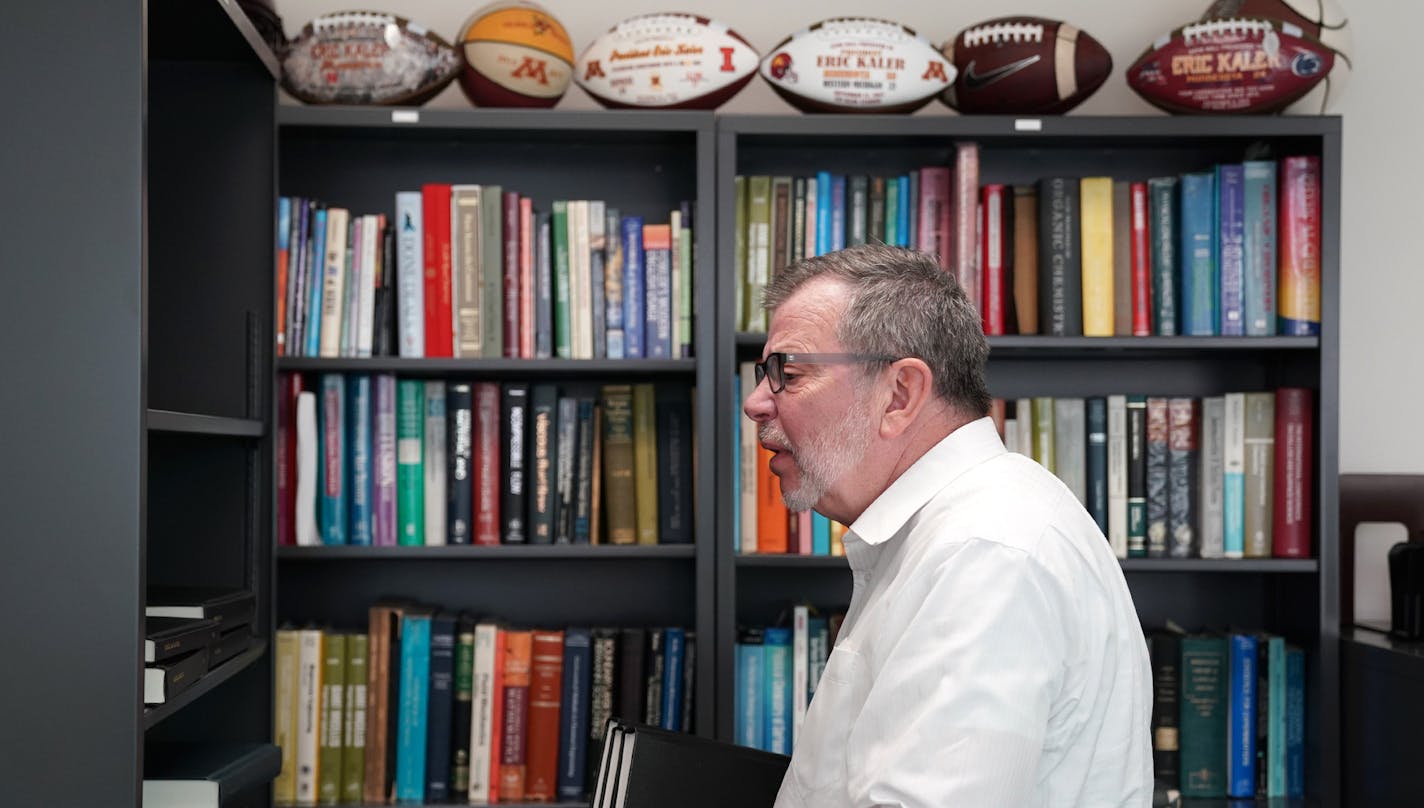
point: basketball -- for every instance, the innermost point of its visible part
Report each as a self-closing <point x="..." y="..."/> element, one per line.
<point x="514" y="54"/>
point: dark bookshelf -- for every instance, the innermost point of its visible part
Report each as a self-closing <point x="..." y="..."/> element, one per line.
<point x="528" y="369"/>
<point x="1292" y="597"/>
<point x="210" y="680"/>
<point x="549" y="552"/>
<point x="195" y="424"/>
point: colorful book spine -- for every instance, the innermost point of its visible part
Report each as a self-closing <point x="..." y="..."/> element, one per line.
<point x="440" y="702"/>
<point x="1241" y="717"/>
<point x="574" y="713"/>
<point x="657" y="273"/>
<point x="777" y="690"/>
<point x="633" y="288"/>
<point x="1139" y="239"/>
<point x="674" y="656"/>
<point x="1096" y="221"/>
<point x="1136" y="407"/>
<point x="433" y="463"/>
<point x="750" y="722"/>
<point x="384" y="527"/>
<point x="1198" y="255"/>
<point x="1162" y="213"/>
<point x="1294" y="426"/>
<point x="410" y="446"/>
<point x="485" y="457"/>
<point x="513" y="769"/>
<point x="435" y="255"/>
<point x="1203" y="736"/>
<point x="414" y="706"/>
<point x="559" y="253"/>
<point x="333" y="453"/>
<point x="823" y="213"/>
<point x="1260" y="473"/>
<point x="645" y="462"/>
<point x="1233" y="506"/>
<point x="1183" y="457"/>
<point x="458" y="437"/>
<point x="1259" y="247"/>
<point x="1230" y="253"/>
<point x="546" y="680"/>
<point x="1299" y="272"/>
<point x="613" y="284"/>
<point x="358" y="479"/>
<point x="333" y="699"/>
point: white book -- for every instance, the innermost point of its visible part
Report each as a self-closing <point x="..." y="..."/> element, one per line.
<point x="1117" y="475"/>
<point x="366" y="306"/>
<point x="1233" y="484"/>
<point x="1011" y="434"/>
<point x="1211" y="478"/>
<point x="800" y="669"/>
<point x="309" y="669"/>
<point x="333" y="281"/>
<point x="410" y="275"/>
<point x="307" y="447"/>
<point x="751" y="458"/>
<point x="482" y="710"/>
<point x="1070" y="436"/>
<point x="580" y="282"/>
<point x="810" y="244"/>
<point x="436" y="506"/>
<point x="1023" y="419"/>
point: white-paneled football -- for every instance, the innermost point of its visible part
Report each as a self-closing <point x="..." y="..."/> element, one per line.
<point x="854" y="64"/>
<point x="666" y="61"/>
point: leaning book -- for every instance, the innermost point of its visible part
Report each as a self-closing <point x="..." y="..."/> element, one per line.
<point x="647" y="767"/>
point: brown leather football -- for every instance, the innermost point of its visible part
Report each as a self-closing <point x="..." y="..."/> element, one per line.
<point x="1024" y="65"/>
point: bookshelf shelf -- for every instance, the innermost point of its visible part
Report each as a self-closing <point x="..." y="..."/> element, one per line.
<point x="1154" y="565"/>
<point x="211" y="680"/>
<point x="195" y="424"/>
<point x="549" y="552"/>
<point x="501" y="368"/>
<point x="1110" y="347"/>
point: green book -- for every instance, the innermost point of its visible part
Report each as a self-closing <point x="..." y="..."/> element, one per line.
<point x="353" y="742"/>
<point x="1203" y="721"/>
<point x="333" y="713"/>
<point x="618" y="488"/>
<point x="563" y="325"/>
<point x="1137" y="476"/>
<point x="1162" y="233"/>
<point x="464" y="700"/>
<point x="410" y="473"/>
<point x="739" y="250"/>
<point x="645" y="462"/>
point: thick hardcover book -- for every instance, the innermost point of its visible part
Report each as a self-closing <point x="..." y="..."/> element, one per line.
<point x="613" y="283"/>
<point x="309" y="673"/>
<point x="466" y="237"/>
<point x="633" y="288"/>
<point x="439" y="707"/>
<point x="1140" y="259"/>
<point x="739" y="259"/>
<point x="645" y="462"/>
<point x="358" y="466"/>
<point x="1299" y="289"/>
<point x="226" y="607"/>
<point x="1230" y="252"/>
<point x="1060" y="275"/>
<point x="959" y="223"/>
<point x="491" y="275"/>
<point x="562" y="283"/>
<point x="333" y="701"/>
<point x="1136" y="476"/>
<point x="1117" y="474"/>
<point x="383" y="311"/>
<point x="1025" y="258"/>
<point x="433" y="466"/>
<point x="1097" y="461"/>
<point x="543" y="286"/>
<point x="1290" y="536"/>
<point x="410" y="274"/>
<point x="411" y="733"/>
<point x="485" y="457"/>
<point x="513" y="492"/>
<point x="546" y="680"/>
<point x="566" y="424"/>
<point x="1096" y="223"/>
<point x="657" y="290"/>
<point x="435" y="254"/>
<point x="674" y="451"/>
<point x="1259" y="247"/>
<point x="574" y="713"/>
<point x="1199" y="280"/>
<point x="485" y="706"/>
<point x="1211" y="478"/>
<point x="333" y="292"/>
<point x="316" y="263"/>
<point x="168" y="637"/>
<point x="410" y="450"/>
<point x="382" y="699"/>
<point x="205" y="774"/>
<point x="1295" y="722"/>
<point x="758" y="251"/>
<point x="353" y="731"/>
<point x="1166" y="656"/>
<point x="463" y="701"/>
<point x="674" y="656"/>
<point x="384" y="527"/>
<point x="518" y="653"/>
<point x="995" y="241"/>
<point x="1203" y="722"/>
<point x="1233" y="476"/>
<point x="620" y="492"/>
<point x="777" y="690"/>
<point x="1158" y="475"/>
<point x="543" y="454"/>
<point x="1162" y="212"/>
<point x="647" y="767"/>
<point x="1122" y="234"/>
<point x="1070" y="444"/>
<point x="631" y="680"/>
<point x="654" y="666"/>
<point x="512" y="291"/>
<point x="602" y="693"/>
<point x="582" y="473"/>
<point x="284" y="713"/>
<point x="1241" y="717"/>
<point x="1259" y="473"/>
<point x="332" y="473"/>
<point x="166" y="679"/>
<point x="1183" y="457"/>
<point x="458" y="437"/>
<point x="597" y="252"/>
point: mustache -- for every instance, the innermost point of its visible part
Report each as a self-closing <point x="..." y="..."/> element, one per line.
<point x="766" y="433"/>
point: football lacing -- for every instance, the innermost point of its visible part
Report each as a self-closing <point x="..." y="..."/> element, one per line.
<point x="660" y="24"/>
<point x="1212" y="29"/>
<point x="350" y="19"/>
<point x="861" y="27"/>
<point x="1003" y="32"/>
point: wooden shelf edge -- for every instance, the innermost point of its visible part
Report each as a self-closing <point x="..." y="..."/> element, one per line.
<point x="536" y="552"/>
<point x="210" y="681"/>
<point x="197" y="424"/>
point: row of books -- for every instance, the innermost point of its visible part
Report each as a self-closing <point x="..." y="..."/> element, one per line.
<point x="1231" y="251"/>
<point x="431" y="706"/>
<point x="1228" y="714"/>
<point x="477" y="271"/>
<point x="370" y="459"/>
<point x="776" y="672"/>
<point x="189" y="631"/>
<point x="1177" y="477"/>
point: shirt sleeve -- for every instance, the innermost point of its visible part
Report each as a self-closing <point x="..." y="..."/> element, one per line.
<point x="959" y="709"/>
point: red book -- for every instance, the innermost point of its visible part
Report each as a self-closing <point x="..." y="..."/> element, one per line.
<point x="526" y="278"/>
<point x="1141" y="264"/>
<point x="485" y="476"/>
<point x="1298" y="250"/>
<point x="992" y="258"/>
<point x="546" y="679"/>
<point x="435" y="223"/>
<point x="803" y="529"/>
<point x="963" y="205"/>
<point x="513" y="769"/>
<point x="511" y="275"/>
<point x="1291" y="511"/>
<point x="933" y="209"/>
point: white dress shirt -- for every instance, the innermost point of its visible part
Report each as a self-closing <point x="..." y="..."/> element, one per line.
<point x="991" y="655"/>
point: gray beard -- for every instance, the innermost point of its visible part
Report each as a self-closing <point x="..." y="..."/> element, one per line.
<point x="822" y="459"/>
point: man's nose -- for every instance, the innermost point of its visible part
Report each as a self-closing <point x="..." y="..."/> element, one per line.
<point x="760" y="404"/>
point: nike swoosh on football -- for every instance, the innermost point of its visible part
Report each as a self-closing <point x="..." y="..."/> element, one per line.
<point x="978" y="81"/>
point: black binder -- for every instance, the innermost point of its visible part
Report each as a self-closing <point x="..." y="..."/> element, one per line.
<point x="647" y="767"/>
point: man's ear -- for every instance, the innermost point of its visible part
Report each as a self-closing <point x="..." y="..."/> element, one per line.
<point x="911" y="387"/>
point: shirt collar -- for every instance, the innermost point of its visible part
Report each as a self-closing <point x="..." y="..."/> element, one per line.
<point x="958" y="452"/>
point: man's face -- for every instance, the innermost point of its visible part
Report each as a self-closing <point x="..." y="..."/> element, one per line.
<point x="819" y="427"/>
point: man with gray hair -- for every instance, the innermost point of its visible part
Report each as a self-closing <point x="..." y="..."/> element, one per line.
<point x="991" y="654"/>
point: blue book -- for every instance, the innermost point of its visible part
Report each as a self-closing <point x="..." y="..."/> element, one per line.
<point x="820" y="535"/>
<point x="838" y="214"/>
<point x="1241" y="717"/>
<point x="1198" y="299"/>
<point x="657" y="296"/>
<point x="358" y="443"/>
<point x="777" y="647"/>
<point x="414" y="697"/>
<point x="633" y="303"/>
<point x="823" y="212"/>
<point x="1295" y="722"/>
<point x="316" y="264"/>
<point x="736" y="464"/>
<point x="574" y="713"/>
<point x="440" y="707"/>
<point x="613" y="293"/>
<point x="1259" y="248"/>
<point x="332" y="463"/>
<point x="1230" y="204"/>
<point x="543" y="287"/>
<point x="912" y="210"/>
<point x="902" y="213"/>
<point x="674" y="648"/>
<point x="749" y="726"/>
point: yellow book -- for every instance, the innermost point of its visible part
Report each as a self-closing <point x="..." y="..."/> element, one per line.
<point x="619" y="486"/>
<point x="284" y="715"/>
<point x="645" y="463"/>
<point x="1096" y="214"/>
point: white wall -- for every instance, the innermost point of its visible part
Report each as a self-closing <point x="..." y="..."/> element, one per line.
<point x="1381" y="377"/>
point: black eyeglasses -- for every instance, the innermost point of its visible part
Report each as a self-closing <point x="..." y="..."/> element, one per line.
<point x="772" y="368"/>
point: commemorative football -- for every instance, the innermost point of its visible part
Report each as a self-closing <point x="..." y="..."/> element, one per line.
<point x="1024" y="65"/>
<point x="1322" y="19"/>
<point x="367" y="57"/>
<point x="666" y="61"/>
<point x="854" y="64"/>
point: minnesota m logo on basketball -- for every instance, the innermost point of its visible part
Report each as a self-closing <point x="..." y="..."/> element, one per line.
<point x="936" y="71"/>
<point x="592" y="70"/>
<point x="532" y="68"/>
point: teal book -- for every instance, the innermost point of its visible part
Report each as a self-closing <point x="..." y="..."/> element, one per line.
<point x="776" y="645"/>
<point x="1203" y="719"/>
<point x="1295" y="722"/>
<point x="1230" y="237"/>
<point x="1276" y="716"/>
<point x="749" y="724"/>
<point x="1162" y="226"/>
<point x="1198" y="255"/>
<point x="413" y="706"/>
<point x="410" y="473"/>
<point x="331" y="470"/>
<point x="1259" y="248"/>
<point x="820" y="534"/>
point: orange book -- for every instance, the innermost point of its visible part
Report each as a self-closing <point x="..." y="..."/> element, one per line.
<point x="518" y="656"/>
<point x="771" y="511"/>
<point x="546" y="678"/>
<point x="497" y="717"/>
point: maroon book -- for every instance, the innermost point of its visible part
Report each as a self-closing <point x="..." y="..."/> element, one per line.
<point x="1291" y="524"/>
